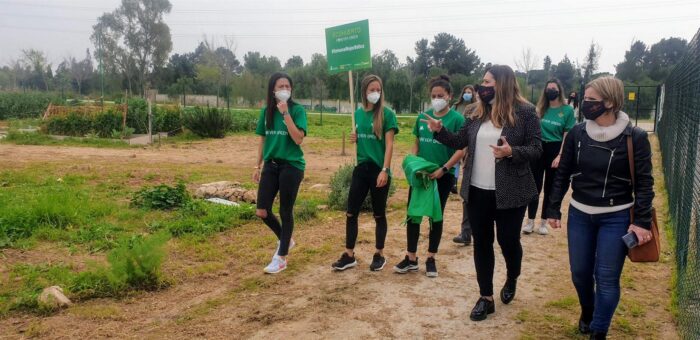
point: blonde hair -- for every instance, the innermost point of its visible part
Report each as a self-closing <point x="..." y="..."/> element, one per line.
<point x="508" y="95"/>
<point x="610" y="89"/>
<point x="378" y="109"/>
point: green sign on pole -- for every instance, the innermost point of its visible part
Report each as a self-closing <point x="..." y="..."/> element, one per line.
<point x="348" y="47"/>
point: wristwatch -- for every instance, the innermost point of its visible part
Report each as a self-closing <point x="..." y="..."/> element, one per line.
<point x="386" y="170"/>
<point x="445" y="169"/>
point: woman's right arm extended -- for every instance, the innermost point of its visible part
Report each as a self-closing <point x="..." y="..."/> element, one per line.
<point x="458" y="140"/>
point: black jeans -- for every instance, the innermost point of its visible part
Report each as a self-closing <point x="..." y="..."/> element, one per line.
<point x="444" y="185"/>
<point x="282" y="177"/>
<point x="543" y="167"/>
<point x="364" y="179"/>
<point x="482" y="214"/>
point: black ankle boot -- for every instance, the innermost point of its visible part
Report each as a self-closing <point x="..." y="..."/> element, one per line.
<point x="508" y="291"/>
<point x="483" y="307"/>
<point x="598" y="335"/>
<point x="584" y="321"/>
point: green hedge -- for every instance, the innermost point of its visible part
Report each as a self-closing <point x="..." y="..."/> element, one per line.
<point x="25" y="104"/>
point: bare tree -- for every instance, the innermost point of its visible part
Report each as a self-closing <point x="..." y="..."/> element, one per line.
<point x="527" y="62"/>
<point x="36" y="60"/>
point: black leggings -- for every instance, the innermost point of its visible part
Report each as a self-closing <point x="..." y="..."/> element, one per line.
<point x="273" y="174"/>
<point x="364" y="179"/>
<point x="444" y="185"/>
<point x="482" y="214"/>
<point x="543" y="167"/>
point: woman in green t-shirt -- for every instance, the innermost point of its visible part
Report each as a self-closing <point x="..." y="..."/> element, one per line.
<point x="433" y="151"/>
<point x="280" y="164"/>
<point x="375" y="128"/>
<point x="556" y="119"/>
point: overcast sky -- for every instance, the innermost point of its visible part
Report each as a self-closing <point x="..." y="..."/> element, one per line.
<point x="497" y="29"/>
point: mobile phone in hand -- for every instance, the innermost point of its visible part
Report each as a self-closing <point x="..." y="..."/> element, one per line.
<point x="630" y="240"/>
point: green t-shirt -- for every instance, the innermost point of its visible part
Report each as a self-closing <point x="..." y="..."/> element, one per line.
<point x="278" y="143"/>
<point x="428" y="147"/>
<point x="369" y="147"/>
<point x="555" y="122"/>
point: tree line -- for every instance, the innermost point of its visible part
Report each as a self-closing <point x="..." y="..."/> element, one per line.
<point x="132" y="52"/>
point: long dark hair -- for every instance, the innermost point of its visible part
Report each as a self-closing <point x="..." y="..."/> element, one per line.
<point x="508" y="96"/>
<point x="461" y="98"/>
<point x="272" y="101"/>
<point x="378" y="108"/>
<point x="543" y="103"/>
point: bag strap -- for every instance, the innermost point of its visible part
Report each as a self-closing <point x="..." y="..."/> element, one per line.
<point x="630" y="158"/>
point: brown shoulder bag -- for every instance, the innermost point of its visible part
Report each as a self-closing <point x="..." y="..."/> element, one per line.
<point x="650" y="251"/>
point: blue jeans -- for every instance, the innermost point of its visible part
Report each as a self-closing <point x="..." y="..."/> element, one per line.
<point x="596" y="255"/>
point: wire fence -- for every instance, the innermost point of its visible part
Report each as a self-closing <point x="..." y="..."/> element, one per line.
<point x="679" y="133"/>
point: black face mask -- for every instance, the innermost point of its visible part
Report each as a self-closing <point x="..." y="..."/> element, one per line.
<point x="551" y="94"/>
<point x="592" y="109"/>
<point x="486" y="93"/>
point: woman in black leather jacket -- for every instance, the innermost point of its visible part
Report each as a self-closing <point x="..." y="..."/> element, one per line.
<point x="594" y="161"/>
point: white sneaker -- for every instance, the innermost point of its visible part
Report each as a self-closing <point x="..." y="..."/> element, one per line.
<point x="291" y="245"/>
<point x="527" y="229"/>
<point x="277" y="265"/>
<point x="543" y="228"/>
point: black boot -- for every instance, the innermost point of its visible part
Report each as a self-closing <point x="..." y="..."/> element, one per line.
<point x="483" y="308"/>
<point x="508" y="291"/>
<point x="584" y="321"/>
<point x="598" y="335"/>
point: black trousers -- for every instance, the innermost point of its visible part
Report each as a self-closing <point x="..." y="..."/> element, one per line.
<point x="444" y="185"/>
<point x="364" y="180"/>
<point x="482" y="214"/>
<point x="279" y="176"/>
<point x="543" y="167"/>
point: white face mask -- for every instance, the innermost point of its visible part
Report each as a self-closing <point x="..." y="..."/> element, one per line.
<point x="438" y="104"/>
<point x="373" y="97"/>
<point x="283" y="95"/>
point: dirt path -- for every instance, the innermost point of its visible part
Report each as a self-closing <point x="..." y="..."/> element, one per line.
<point x="309" y="301"/>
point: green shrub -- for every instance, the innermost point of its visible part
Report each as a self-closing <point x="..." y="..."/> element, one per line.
<point x="25" y="104"/>
<point x="104" y="123"/>
<point x="137" y="115"/>
<point x="137" y="262"/>
<point x="244" y="121"/>
<point x="161" y="197"/>
<point x="208" y="122"/>
<point x="167" y="120"/>
<point x="305" y="210"/>
<point x="71" y="125"/>
<point x="340" y="187"/>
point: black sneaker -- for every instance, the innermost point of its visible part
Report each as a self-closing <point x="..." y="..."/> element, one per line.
<point x="406" y="266"/>
<point x="378" y="263"/>
<point x="454" y="189"/>
<point x="346" y="261"/>
<point x="430" y="268"/>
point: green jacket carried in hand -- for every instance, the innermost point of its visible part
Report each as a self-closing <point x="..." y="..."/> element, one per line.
<point x="425" y="200"/>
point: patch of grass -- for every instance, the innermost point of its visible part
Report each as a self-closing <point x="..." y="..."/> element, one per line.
<point x="51" y="205"/>
<point x="33" y="138"/>
<point x="334" y="126"/>
<point x="569" y="303"/>
<point x="203" y="218"/>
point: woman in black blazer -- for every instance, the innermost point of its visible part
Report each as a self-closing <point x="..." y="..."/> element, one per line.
<point x="503" y="136"/>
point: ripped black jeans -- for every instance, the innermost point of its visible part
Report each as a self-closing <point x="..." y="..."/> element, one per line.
<point x="364" y="180"/>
